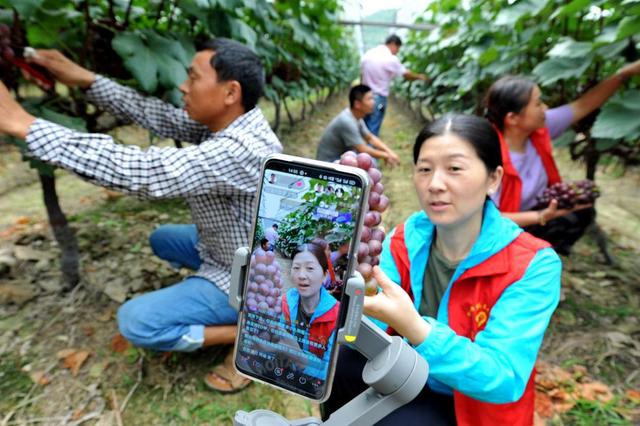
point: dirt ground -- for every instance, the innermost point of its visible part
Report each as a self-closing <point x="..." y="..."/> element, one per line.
<point x="61" y="361"/>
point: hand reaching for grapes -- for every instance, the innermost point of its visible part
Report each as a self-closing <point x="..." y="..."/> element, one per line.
<point x="63" y="69"/>
<point x="553" y="212"/>
<point x="630" y="70"/>
<point x="392" y="159"/>
<point x="14" y="120"/>
<point x="394" y="306"/>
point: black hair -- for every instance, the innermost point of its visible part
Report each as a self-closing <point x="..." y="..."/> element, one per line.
<point x="235" y="61"/>
<point x="317" y="251"/>
<point x="393" y="39"/>
<point x="275" y="225"/>
<point x="357" y="93"/>
<point x="477" y="131"/>
<point x="264" y="240"/>
<point x="509" y="94"/>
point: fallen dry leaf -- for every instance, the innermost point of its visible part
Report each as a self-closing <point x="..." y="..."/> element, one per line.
<point x="88" y="331"/>
<point x="538" y="421"/>
<point x="110" y="195"/>
<point x="22" y="220"/>
<point x="595" y="391"/>
<point x="65" y="353"/>
<point x="75" y="360"/>
<point x="544" y="405"/>
<point x="40" y="378"/>
<point x="633" y="395"/>
<point x="119" y="343"/>
<point x="77" y="414"/>
<point x="579" y="371"/>
<point x="562" y="401"/>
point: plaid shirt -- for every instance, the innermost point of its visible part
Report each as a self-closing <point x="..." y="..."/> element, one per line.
<point x="218" y="176"/>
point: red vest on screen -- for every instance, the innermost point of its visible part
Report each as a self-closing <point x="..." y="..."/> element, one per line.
<point x="511" y="187"/>
<point x="320" y="329"/>
<point x="472" y="297"/>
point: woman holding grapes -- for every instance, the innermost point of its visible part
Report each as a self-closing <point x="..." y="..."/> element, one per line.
<point x="526" y="128"/>
<point x="465" y="286"/>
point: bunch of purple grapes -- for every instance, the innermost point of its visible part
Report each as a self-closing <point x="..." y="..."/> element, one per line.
<point x="6" y="52"/>
<point x="8" y="73"/>
<point x="569" y="194"/>
<point x="265" y="284"/>
<point x="264" y="294"/>
<point x="372" y="234"/>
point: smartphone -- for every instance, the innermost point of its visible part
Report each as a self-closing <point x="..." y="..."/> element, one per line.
<point x="303" y="248"/>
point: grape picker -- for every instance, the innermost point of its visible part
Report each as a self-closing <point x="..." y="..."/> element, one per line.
<point x="217" y="176"/>
<point x="347" y="131"/>
<point x="526" y="127"/>
<point x="465" y="286"/>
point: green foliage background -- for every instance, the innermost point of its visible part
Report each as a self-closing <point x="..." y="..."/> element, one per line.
<point x="300" y="227"/>
<point x="149" y="43"/>
<point x="567" y="46"/>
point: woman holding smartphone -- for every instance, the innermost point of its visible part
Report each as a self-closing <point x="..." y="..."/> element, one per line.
<point x="526" y="127"/>
<point x="465" y="286"/>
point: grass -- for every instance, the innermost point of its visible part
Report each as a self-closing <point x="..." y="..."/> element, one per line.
<point x="14" y="383"/>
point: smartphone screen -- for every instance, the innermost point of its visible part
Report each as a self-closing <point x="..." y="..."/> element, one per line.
<point x="308" y="219"/>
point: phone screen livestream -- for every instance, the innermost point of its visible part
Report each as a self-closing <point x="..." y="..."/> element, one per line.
<point x="305" y="226"/>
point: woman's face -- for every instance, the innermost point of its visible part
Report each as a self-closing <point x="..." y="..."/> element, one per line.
<point x="307" y="274"/>
<point x="452" y="181"/>
<point x="532" y="116"/>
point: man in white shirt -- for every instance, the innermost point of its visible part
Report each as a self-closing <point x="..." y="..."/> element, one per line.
<point x="379" y="67"/>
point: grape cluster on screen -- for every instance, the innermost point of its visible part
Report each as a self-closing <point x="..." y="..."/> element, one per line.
<point x="569" y="194"/>
<point x="265" y="284"/>
<point x="372" y="234"/>
<point x="7" y="52"/>
<point x="264" y="292"/>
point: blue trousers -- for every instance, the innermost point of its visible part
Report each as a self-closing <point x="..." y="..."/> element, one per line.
<point x="374" y="120"/>
<point x="174" y="318"/>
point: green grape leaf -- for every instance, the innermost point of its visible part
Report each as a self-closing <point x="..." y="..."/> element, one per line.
<point x="616" y="121"/>
<point x="629" y="26"/>
<point x="569" y="48"/>
<point x="555" y="69"/>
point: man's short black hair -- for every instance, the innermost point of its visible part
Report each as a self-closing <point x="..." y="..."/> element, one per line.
<point x="357" y="93"/>
<point x="393" y="39"/>
<point x="235" y="61"/>
<point x="275" y="225"/>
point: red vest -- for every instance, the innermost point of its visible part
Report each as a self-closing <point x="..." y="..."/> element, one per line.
<point x="472" y="297"/>
<point x="320" y="329"/>
<point x="511" y="187"/>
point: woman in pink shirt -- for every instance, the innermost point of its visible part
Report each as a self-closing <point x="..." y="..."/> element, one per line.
<point x="526" y="127"/>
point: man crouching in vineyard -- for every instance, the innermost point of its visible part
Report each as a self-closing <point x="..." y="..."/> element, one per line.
<point x="217" y="176"/>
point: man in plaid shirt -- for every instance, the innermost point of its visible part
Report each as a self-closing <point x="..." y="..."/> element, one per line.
<point x="218" y="176"/>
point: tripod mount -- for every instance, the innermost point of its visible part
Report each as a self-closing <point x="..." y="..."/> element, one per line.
<point x="394" y="371"/>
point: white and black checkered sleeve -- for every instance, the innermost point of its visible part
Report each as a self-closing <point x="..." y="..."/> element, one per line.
<point x="151" y="113"/>
<point x="220" y="166"/>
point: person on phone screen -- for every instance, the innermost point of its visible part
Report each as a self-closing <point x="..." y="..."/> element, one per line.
<point x="217" y="175"/>
<point x="526" y="127"/>
<point x="309" y="312"/>
<point x="469" y="289"/>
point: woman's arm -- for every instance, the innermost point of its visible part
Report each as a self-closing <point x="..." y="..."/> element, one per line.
<point x="598" y="95"/>
<point x="497" y="365"/>
<point x="541" y="217"/>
